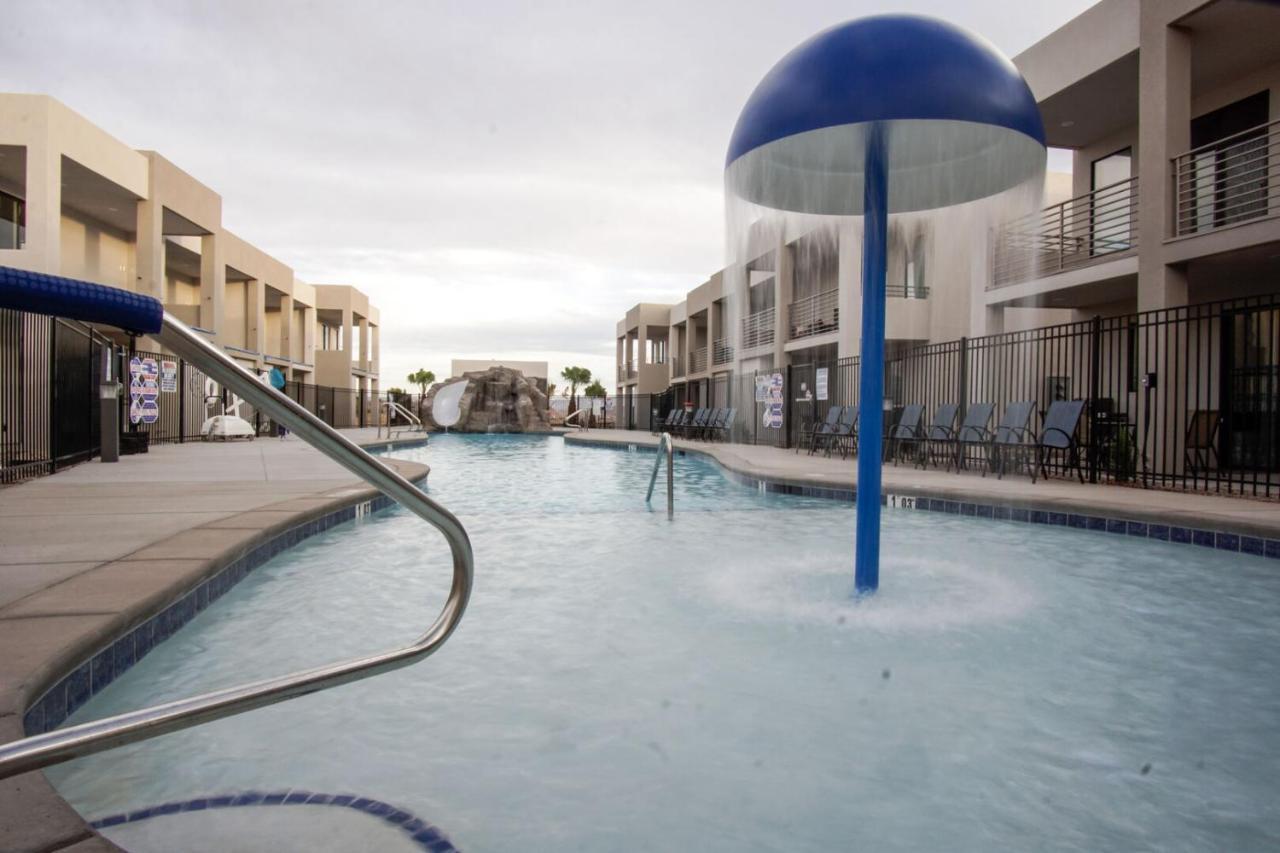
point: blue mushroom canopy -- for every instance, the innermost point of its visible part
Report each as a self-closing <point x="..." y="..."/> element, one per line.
<point x="959" y="121"/>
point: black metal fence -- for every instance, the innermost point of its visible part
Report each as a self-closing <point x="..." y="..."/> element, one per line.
<point x="51" y="371"/>
<point x="1185" y="398"/>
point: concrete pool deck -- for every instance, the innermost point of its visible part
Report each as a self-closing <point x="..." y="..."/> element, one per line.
<point x="1239" y="515"/>
<point x="96" y="548"/>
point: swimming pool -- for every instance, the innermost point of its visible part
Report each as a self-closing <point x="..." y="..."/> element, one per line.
<point x="625" y="682"/>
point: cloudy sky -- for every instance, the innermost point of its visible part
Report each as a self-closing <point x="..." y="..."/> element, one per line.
<point x="503" y="179"/>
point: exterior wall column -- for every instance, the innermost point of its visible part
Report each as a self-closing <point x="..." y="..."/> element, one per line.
<point x="309" y="336"/>
<point x="849" y="292"/>
<point x="286" y="326"/>
<point x="784" y="277"/>
<point x="364" y="361"/>
<point x="1164" y="122"/>
<point x="348" y="342"/>
<point x="43" y="244"/>
<point x="255" y="333"/>
<point x="149" y="248"/>
<point x="213" y="281"/>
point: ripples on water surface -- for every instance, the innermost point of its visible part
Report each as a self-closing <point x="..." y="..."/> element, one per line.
<point x="621" y="682"/>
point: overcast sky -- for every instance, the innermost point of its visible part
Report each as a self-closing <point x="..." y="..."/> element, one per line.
<point x="503" y="179"/>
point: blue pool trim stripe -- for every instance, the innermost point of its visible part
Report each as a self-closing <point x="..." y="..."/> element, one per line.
<point x="426" y="835"/>
<point x="1221" y="540"/>
<point x="67" y="695"/>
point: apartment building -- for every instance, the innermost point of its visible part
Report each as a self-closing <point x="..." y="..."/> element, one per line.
<point x="1180" y="97"/>
<point x="74" y="201"/>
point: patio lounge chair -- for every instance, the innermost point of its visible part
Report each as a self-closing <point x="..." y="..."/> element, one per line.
<point x="693" y="423"/>
<point x="809" y="435"/>
<point x="973" y="431"/>
<point x="908" y="430"/>
<point x="673" y="418"/>
<point x="1202" y="441"/>
<point x="844" y="435"/>
<point x="1059" y="434"/>
<point x="941" y="430"/>
<point x="712" y="422"/>
<point x="723" y="427"/>
<point x="1013" y="434"/>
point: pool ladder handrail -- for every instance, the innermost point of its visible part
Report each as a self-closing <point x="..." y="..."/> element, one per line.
<point x="664" y="442"/>
<point x="392" y="407"/>
<point x="37" y="751"/>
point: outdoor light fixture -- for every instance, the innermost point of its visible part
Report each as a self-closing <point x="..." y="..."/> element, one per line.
<point x="881" y="115"/>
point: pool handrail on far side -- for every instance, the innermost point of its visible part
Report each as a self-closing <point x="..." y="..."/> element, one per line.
<point x="664" y="443"/>
<point x="92" y="303"/>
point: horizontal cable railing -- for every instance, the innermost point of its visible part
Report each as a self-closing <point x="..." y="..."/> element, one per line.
<point x="1227" y="181"/>
<point x="698" y="360"/>
<point x="1068" y="235"/>
<point x="721" y="351"/>
<point x="907" y="290"/>
<point x="815" y="315"/>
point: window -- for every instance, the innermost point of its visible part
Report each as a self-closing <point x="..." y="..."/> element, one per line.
<point x="1110" y="214"/>
<point x="13" y="221"/>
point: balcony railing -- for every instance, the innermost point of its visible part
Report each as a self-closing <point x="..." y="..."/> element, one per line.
<point x="757" y="329"/>
<point x="698" y="360"/>
<point x="721" y="351"/>
<point x="1068" y="235"/>
<point x="1228" y="181"/>
<point x="626" y="370"/>
<point x="815" y="315"/>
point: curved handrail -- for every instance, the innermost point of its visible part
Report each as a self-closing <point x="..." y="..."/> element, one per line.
<point x="52" y="747"/>
<point x="664" y="442"/>
<point x="575" y="414"/>
<point x="392" y="407"/>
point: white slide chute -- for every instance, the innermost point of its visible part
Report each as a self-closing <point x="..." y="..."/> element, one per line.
<point x="445" y="409"/>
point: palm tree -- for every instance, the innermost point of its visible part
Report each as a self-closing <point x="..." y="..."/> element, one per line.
<point x="575" y="376"/>
<point x="594" y="391"/>
<point x="422" y="378"/>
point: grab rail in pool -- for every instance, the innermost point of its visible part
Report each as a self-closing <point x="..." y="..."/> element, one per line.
<point x="391" y="407"/>
<point x="52" y="295"/>
<point x="664" y="441"/>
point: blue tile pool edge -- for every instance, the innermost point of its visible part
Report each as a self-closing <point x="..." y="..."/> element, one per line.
<point x="1220" y="540"/>
<point x="112" y="660"/>
<point x="425" y="835"/>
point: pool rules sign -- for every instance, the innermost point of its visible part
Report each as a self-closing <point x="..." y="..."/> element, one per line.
<point x="144" y="387"/>
<point x="772" y="417"/>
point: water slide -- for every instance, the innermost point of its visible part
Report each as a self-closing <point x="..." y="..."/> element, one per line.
<point x="445" y="407"/>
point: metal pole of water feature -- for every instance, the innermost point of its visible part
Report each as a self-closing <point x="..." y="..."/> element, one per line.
<point x="875" y="206"/>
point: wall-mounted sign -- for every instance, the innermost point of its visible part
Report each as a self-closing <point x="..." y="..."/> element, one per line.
<point x="169" y="377"/>
<point x="821" y="382"/>
<point x="772" y="418"/>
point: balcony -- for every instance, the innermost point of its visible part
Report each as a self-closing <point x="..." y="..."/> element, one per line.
<point x="721" y="351"/>
<point x="698" y="360"/>
<point x="1075" y="233"/>
<point x="1227" y="182"/>
<point x="815" y="315"/>
<point x="757" y="329"/>
<point x="626" y="371"/>
<point x="677" y="366"/>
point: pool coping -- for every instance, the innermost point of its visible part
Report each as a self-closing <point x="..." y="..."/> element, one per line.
<point x="1164" y="523"/>
<point x="170" y="581"/>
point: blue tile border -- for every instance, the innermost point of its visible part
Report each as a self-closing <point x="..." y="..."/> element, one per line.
<point x="106" y="664"/>
<point x="425" y="835"/>
<point x="1222" y="540"/>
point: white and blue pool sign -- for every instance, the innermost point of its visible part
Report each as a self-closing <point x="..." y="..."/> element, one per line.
<point x="886" y="114"/>
<point x="144" y="388"/>
<point x="772" y="416"/>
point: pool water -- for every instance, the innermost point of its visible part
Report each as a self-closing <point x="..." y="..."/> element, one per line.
<point x="625" y="682"/>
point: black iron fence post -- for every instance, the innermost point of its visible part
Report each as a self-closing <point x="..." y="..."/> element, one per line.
<point x="962" y="381"/>
<point x="1095" y="383"/>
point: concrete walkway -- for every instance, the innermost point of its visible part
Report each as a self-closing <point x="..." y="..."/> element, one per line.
<point x="92" y="550"/>
<point x="1239" y="515"/>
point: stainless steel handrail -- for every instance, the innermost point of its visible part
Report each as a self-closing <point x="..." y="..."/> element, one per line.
<point x="664" y="441"/>
<point x="391" y="406"/>
<point x="60" y="745"/>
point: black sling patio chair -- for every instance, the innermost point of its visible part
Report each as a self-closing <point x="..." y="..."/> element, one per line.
<point x="809" y="435"/>
<point x="1059" y="436"/>
<point x="941" y="430"/>
<point x="1202" y="441"/>
<point x="694" y="423"/>
<point x="673" y="418"/>
<point x="713" y="423"/>
<point x="1012" y="436"/>
<point x="723" y="426"/>
<point x="973" y="432"/>
<point x="844" y="435"/>
<point x="909" y="431"/>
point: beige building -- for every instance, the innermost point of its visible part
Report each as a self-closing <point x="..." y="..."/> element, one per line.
<point x="1180" y="95"/>
<point x="74" y="201"/>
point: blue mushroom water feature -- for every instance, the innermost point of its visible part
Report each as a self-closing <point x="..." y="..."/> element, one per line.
<point x="886" y="114"/>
